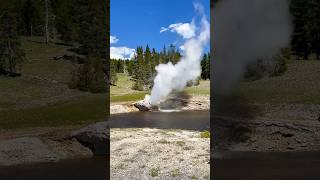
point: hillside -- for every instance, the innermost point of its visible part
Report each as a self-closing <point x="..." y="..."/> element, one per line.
<point x="41" y="96"/>
<point x="274" y="113"/>
<point x="299" y="85"/>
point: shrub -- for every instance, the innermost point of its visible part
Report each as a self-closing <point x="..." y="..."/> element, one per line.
<point x="138" y="85"/>
<point x="205" y="134"/>
<point x="89" y="76"/>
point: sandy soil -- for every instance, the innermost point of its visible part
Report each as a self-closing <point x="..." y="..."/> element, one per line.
<point x="159" y="154"/>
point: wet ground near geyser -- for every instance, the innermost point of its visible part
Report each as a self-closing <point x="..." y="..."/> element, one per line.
<point x="266" y="166"/>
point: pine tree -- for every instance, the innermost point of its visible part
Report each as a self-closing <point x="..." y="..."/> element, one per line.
<point x="11" y="53"/>
<point x="91" y="19"/>
<point x="147" y="64"/>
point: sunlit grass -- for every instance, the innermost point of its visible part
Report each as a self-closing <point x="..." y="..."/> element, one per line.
<point x="81" y="111"/>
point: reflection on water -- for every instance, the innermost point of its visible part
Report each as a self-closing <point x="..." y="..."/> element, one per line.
<point x="79" y="169"/>
<point x="263" y="166"/>
<point x="190" y="120"/>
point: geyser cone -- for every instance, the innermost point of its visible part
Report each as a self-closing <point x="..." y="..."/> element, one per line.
<point x="144" y="105"/>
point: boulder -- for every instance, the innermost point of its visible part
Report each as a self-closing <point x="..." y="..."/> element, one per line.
<point x="142" y="106"/>
<point x="95" y="137"/>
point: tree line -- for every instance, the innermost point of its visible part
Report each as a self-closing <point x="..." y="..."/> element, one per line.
<point x="80" y="24"/>
<point x="305" y="39"/>
<point x="141" y="68"/>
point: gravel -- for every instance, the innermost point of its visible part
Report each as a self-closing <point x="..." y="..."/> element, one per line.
<point x="146" y="153"/>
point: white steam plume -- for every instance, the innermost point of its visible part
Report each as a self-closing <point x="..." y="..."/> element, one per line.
<point x="175" y="77"/>
<point x="245" y="31"/>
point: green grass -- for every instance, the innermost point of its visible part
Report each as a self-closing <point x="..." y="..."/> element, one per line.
<point x="42" y="77"/>
<point x="299" y="85"/>
<point x="128" y="97"/>
<point x="40" y="60"/>
<point x="203" y="89"/>
<point x="154" y="172"/>
<point x="205" y="134"/>
<point x="194" y="177"/>
<point x="41" y="97"/>
<point x="180" y="143"/>
<point x="175" y="173"/>
<point x="81" y="111"/>
<point x="123" y="91"/>
<point x="163" y="141"/>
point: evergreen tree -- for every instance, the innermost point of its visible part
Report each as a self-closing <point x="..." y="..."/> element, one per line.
<point x="147" y="65"/>
<point x="11" y="53"/>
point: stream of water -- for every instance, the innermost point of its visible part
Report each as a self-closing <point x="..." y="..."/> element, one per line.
<point x="189" y="120"/>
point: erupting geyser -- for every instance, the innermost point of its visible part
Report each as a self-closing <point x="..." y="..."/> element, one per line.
<point x="172" y="77"/>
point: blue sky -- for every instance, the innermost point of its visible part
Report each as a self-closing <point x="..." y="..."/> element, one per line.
<point x="138" y="22"/>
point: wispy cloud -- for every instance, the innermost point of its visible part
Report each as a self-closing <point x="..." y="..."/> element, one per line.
<point x="186" y="30"/>
<point x="121" y="52"/>
<point x="113" y="39"/>
<point x="163" y="29"/>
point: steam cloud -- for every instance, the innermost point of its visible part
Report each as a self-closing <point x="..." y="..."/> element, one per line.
<point x="175" y="77"/>
<point x="243" y="32"/>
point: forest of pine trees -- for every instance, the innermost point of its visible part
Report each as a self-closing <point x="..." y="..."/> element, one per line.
<point x="305" y="39"/>
<point x="141" y="68"/>
<point x="80" y="24"/>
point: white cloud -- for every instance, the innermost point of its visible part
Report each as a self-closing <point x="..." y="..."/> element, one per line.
<point x="186" y="30"/>
<point x="113" y="39"/>
<point x="163" y="29"/>
<point x="121" y="52"/>
<point x="182" y="47"/>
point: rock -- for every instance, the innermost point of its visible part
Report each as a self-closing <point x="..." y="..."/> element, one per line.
<point x="25" y="150"/>
<point x="142" y="106"/>
<point x="95" y="136"/>
<point x="68" y="148"/>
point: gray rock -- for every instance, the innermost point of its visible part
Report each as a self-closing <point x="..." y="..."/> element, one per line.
<point x="25" y="150"/>
<point x="142" y="106"/>
<point x="95" y="136"/>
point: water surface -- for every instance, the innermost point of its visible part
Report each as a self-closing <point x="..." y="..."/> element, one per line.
<point x="79" y="169"/>
<point x="266" y="166"/>
<point x="189" y="120"/>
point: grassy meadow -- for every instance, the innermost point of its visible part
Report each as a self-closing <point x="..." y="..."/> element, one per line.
<point x="41" y="96"/>
<point x="299" y="85"/>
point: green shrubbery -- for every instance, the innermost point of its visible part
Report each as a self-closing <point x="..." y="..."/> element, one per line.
<point x="89" y="76"/>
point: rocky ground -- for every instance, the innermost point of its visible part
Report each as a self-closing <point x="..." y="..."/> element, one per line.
<point x="52" y="144"/>
<point x="279" y="128"/>
<point x="159" y="154"/>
